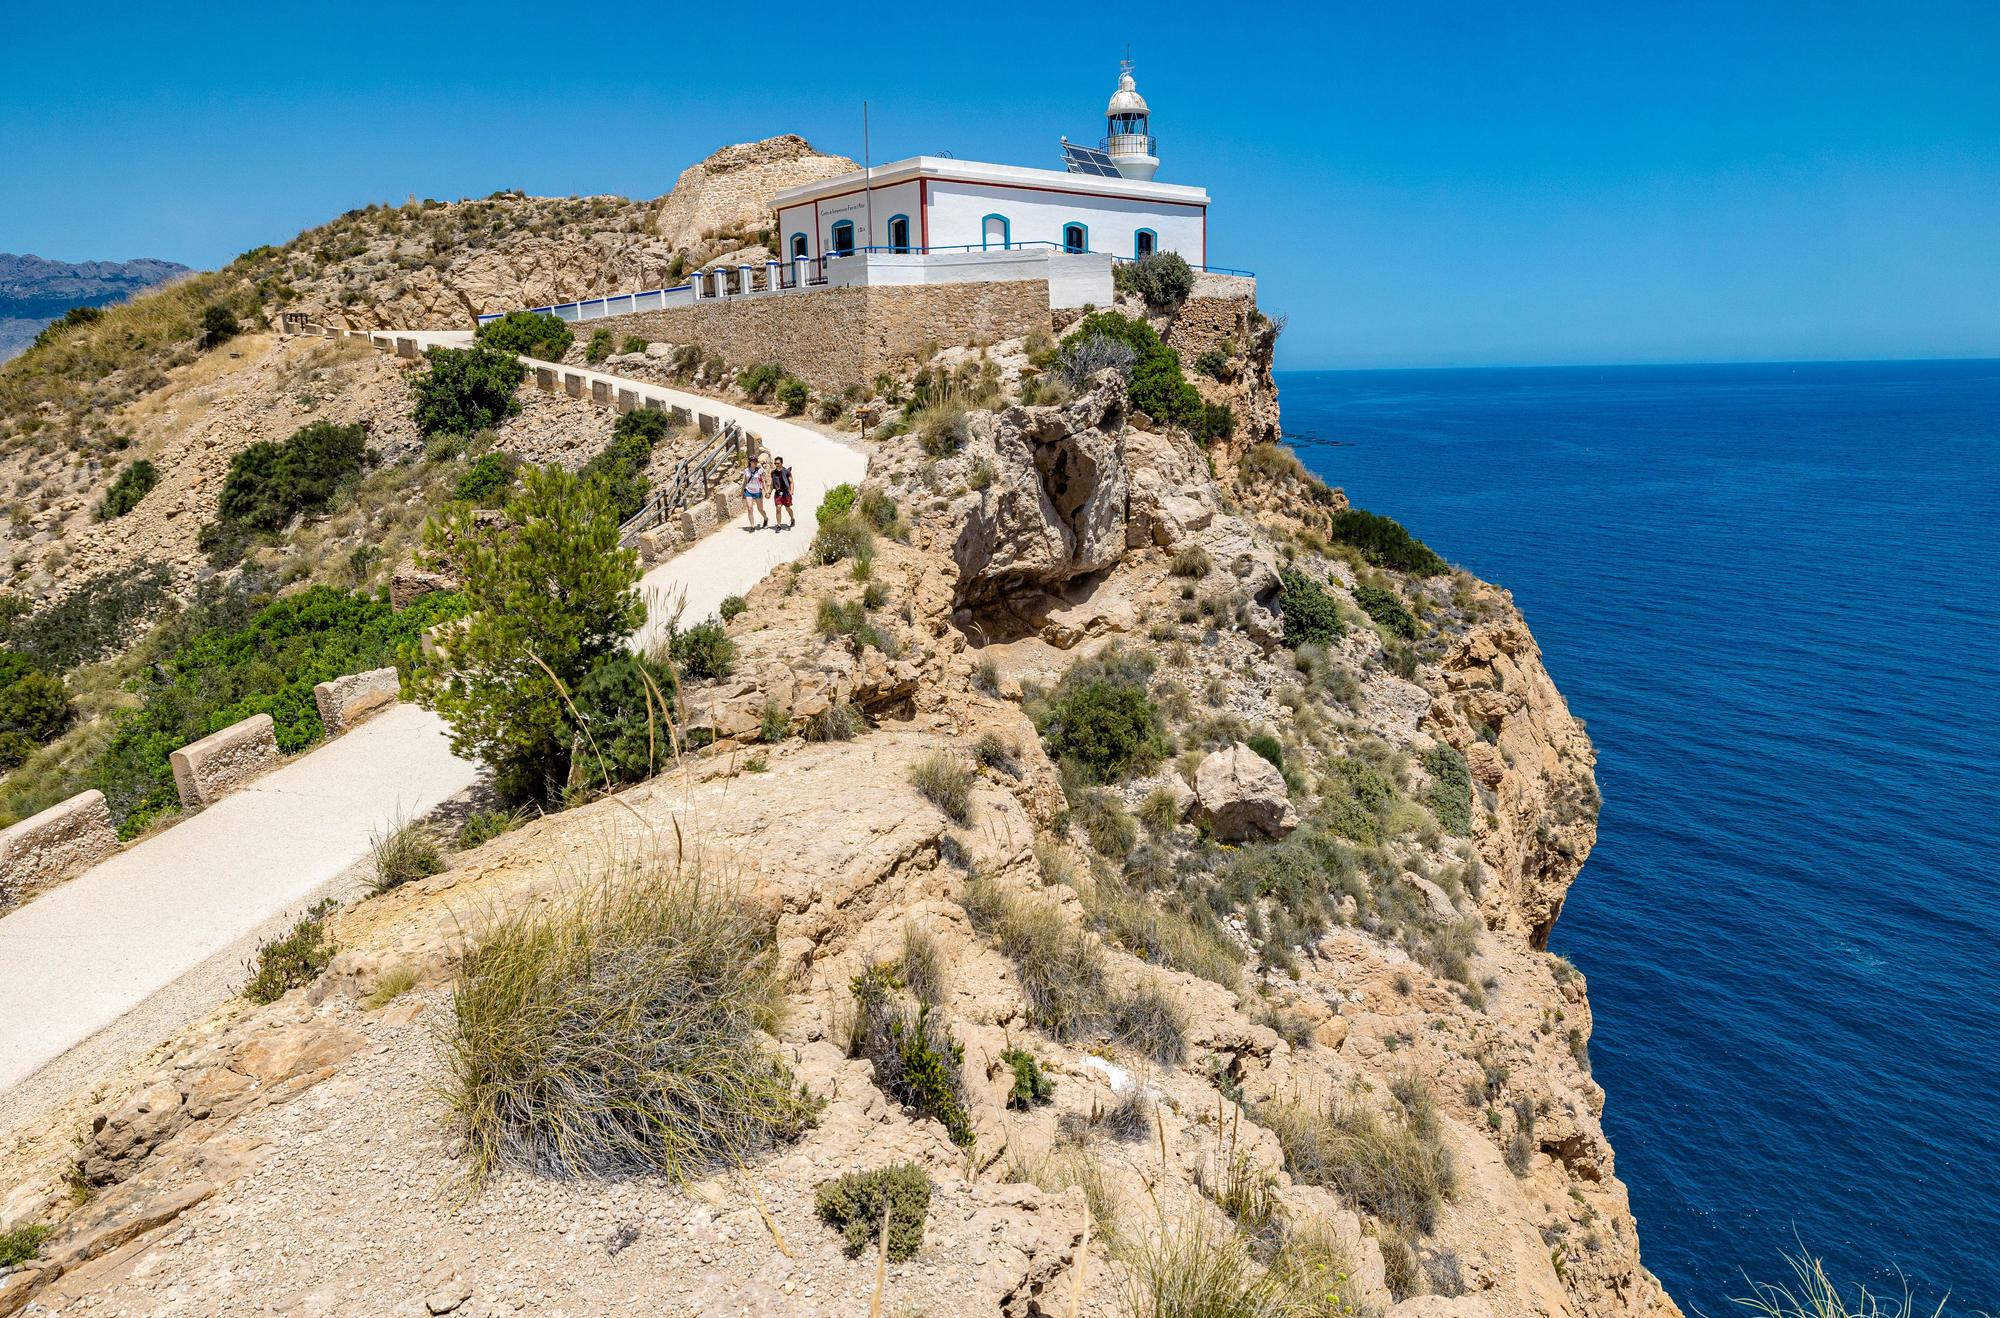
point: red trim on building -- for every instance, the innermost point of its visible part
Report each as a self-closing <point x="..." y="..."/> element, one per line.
<point x="924" y="207"/>
<point x="818" y="246"/>
<point x="1019" y="187"/>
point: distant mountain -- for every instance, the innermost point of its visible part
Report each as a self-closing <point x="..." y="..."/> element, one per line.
<point x="34" y="292"/>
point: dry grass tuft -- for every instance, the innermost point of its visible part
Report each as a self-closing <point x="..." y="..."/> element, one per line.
<point x="616" y="1034"/>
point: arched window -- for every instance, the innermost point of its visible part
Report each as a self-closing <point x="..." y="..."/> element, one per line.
<point x="899" y="233"/>
<point x="1076" y="237"/>
<point x="995" y="231"/>
<point x="1144" y="244"/>
<point x="800" y="248"/>
<point x="843" y="238"/>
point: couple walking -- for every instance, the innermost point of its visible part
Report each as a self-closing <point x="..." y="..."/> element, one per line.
<point x="778" y="481"/>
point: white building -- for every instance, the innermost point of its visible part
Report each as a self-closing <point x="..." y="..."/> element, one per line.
<point x="1104" y="203"/>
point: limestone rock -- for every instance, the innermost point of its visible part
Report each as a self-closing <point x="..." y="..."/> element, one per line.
<point x="1055" y="508"/>
<point x="1242" y="795"/>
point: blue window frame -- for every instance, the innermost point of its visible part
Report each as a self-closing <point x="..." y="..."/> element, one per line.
<point x="988" y="229"/>
<point x="1144" y="243"/>
<point x="843" y="238"/>
<point x="899" y="233"/>
<point x="800" y="247"/>
<point x="1076" y="236"/>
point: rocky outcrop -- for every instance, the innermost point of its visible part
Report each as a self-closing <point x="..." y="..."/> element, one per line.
<point x="1241" y="795"/>
<point x="1053" y="507"/>
<point x="729" y="194"/>
<point x="1535" y="812"/>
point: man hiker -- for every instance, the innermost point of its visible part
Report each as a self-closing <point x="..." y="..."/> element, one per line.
<point x="781" y="492"/>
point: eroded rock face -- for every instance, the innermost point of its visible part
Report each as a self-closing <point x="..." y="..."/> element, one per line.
<point x="1242" y="795"/>
<point x="1055" y="508"/>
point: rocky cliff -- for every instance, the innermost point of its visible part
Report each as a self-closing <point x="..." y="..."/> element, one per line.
<point x="1331" y="884"/>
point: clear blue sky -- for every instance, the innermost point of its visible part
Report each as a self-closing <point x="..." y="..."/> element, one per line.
<point x="1416" y="184"/>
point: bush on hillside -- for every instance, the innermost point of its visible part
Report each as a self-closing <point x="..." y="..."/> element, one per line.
<point x="856" y="1203"/>
<point x="1310" y="615"/>
<point x="704" y="651"/>
<point x="758" y="381"/>
<point x="599" y="346"/>
<point x="487" y="483"/>
<point x="1162" y="279"/>
<point x="1387" y="608"/>
<point x="133" y="484"/>
<point x="1395" y="1167"/>
<point x="1384" y="542"/>
<point x="1449" y="795"/>
<point x="1157" y="386"/>
<point x="792" y="394"/>
<point x="912" y="1054"/>
<point x="534" y="334"/>
<point x="218" y="324"/>
<point x="466" y="390"/>
<point x="548" y="599"/>
<point x="615" y="1034"/>
<point x="267" y="663"/>
<point x="293" y="960"/>
<point x="1083" y="356"/>
<point x="270" y="483"/>
<point x="626" y="707"/>
<point x="33" y="705"/>
<point x="839" y="501"/>
<point x="102" y="614"/>
<point x="1099" y="717"/>
<point x="404" y="854"/>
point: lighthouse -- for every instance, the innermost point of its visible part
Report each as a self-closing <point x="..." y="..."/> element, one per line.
<point x="1131" y="149"/>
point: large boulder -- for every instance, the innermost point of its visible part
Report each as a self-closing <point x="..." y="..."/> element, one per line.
<point x="1242" y="796"/>
<point x="1055" y="508"/>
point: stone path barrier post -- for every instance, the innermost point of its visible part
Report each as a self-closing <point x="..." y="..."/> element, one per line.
<point x="60" y="842"/>
<point x="205" y="771"/>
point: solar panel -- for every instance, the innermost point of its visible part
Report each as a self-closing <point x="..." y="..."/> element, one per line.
<point x="1079" y="159"/>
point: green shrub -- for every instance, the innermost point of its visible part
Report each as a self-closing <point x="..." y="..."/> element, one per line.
<point x="266" y="663"/>
<point x="1107" y="726"/>
<point x="534" y="334"/>
<point x="839" y="501"/>
<point x="133" y="484"/>
<point x="1310" y="615"/>
<point x="33" y="705"/>
<point x="758" y="381"/>
<point x="599" y="346"/>
<point x="914" y="1058"/>
<point x="1213" y="362"/>
<point x="793" y="395"/>
<point x="218" y="324"/>
<point x="270" y="483"/>
<point x="703" y="651"/>
<point x="405" y="853"/>
<point x="621" y="469"/>
<point x="634" y="344"/>
<point x="1449" y="795"/>
<point x="1396" y="1167"/>
<point x="1214" y="421"/>
<point x="488" y="482"/>
<point x="615" y="1034"/>
<point x="294" y="960"/>
<point x="773" y="723"/>
<point x="1384" y="542"/>
<point x="844" y="535"/>
<point x="101" y="615"/>
<point x="23" y="1244"/>
<point x="1157" y="386"/>
<point x="855" y="1203"/>
<point x="625" y="705"/>
<point x="548" y="599"/>
<point x="1387" y="608"/>
<point x="1105" y="822"/>
<point x="1033" y="1087"/>
<point x="921" y="966"/>
<point x="465" y="391"/>
<point x="1162" y="279"/>
<point x="1269" y="747"/>
<point x="731" y="606"/>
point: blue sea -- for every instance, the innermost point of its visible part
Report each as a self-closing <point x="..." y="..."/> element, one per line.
<point x="1770" y="591"/>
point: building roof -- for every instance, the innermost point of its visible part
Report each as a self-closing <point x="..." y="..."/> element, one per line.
<point x="974" y="171"/>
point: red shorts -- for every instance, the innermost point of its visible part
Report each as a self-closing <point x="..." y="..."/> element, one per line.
<point x="781" y="500"/>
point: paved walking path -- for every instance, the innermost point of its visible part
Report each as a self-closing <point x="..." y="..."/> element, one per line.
<point x="77" y="959"/>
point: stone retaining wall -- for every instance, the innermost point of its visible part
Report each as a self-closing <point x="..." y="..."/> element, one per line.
<point x="208" y="770"/>
<point x="834" y="337"/>
<point x="345" y="701"/>
<point x="59" y="843"/>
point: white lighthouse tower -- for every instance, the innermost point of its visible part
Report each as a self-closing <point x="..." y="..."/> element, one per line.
<point x="1132" y="150"/>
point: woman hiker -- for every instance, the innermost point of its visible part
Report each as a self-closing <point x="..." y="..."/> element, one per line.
<point x="753" y="497"/>
<point x="781" y="492"/>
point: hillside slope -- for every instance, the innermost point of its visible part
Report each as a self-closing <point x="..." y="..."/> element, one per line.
<point x="34" y="291"/>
